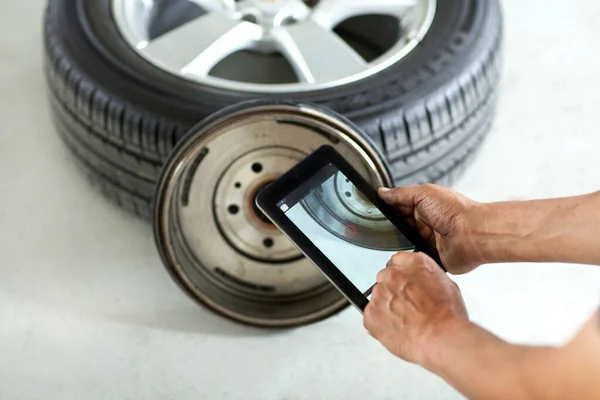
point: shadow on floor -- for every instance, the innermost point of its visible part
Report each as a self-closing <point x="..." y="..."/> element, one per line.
<point x="193" y="319"/>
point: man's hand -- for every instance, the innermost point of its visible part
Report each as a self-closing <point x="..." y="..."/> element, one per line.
<point x="443" y="217"/>
<point x="418" y="314"/>
<point x="412" y="303"/>
<point x="468" y="234"/>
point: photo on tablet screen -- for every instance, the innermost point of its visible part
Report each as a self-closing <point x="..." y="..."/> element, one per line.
<point x="345" y="226"/>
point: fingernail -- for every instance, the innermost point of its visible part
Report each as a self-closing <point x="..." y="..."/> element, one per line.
<point x="383" y="190"/>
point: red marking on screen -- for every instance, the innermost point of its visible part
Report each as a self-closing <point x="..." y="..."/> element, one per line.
<point x="350" y="231"/>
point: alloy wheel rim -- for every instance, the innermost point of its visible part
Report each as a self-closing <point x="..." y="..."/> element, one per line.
<point x="303" y="34"/>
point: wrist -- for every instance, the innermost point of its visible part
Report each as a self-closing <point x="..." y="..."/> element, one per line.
<point x="470" y="358"/>
<point x="482" y="366"/>
<point x="504" y="231"/>
<point x="485" y="234"/>
<point x="491" y="233"/>
<point x="435" y="343"/>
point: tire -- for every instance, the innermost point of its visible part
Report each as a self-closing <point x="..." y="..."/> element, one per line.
<point x="121" y="116"/>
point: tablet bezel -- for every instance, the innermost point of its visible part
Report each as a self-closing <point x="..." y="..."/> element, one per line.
<point x="301" y="173"/>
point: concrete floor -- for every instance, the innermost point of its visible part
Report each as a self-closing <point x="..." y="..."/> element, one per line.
<point x="87" y="311"/>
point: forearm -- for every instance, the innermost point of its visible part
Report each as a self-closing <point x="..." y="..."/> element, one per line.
<point x="554" y="230"/>
<point x="482" y="366"/>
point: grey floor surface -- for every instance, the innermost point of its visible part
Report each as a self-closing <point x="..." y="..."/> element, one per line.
<point x="88" y="312"/>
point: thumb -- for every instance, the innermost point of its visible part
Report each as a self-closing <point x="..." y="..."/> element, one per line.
<point x="388" y="195"/>
<point x="398" y="196"/>
<point x="406" y="196"/>
<point x="384" y="191"/>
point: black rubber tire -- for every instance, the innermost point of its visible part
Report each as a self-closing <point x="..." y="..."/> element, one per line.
<point x="121" y="116"/>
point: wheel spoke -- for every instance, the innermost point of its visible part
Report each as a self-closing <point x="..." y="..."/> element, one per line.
<point x="214" y="5"/>
<point x="318" y="54"/>
<point x="329" y="13"/>
<point x="196" y="47"/>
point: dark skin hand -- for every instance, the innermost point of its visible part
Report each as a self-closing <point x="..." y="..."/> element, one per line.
<point x="445" y="218"/>
<point x="412" y="298"/>
<point x="416" y="311"/>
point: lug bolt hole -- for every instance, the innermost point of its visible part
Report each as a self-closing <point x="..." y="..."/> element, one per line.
<point x="348" y="194"/>
<point x="233" y="209"/>
<point x="257" y="167"/>
<point x="268" y="243"/>
<point x="250" y="18"/>
<point x="289" y="21"/>
<point x="237" y="185"/>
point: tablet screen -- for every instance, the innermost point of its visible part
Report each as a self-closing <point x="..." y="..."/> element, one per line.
<point x="344" y="225"/>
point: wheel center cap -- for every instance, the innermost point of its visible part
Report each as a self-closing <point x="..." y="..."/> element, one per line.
<point x="271" y="6"/>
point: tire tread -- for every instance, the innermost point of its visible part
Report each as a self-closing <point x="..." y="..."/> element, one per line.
<point x="121" y="148"/>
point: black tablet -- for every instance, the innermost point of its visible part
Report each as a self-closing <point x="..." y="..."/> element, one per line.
<point x="338" y="221"/>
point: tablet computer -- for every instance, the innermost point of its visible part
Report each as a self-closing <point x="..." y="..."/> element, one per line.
<point x="337" y="220"/>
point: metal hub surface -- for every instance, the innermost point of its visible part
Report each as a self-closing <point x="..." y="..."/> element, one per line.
<point x="217" y="246"/>
<point x="206" y="32"/>
<point x="247" y="230"/>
